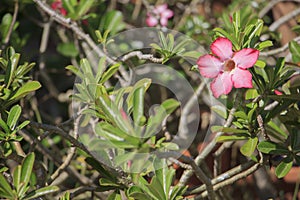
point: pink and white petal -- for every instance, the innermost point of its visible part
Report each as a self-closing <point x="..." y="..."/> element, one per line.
<point x="164" y="21"/>
<point x="167" y="14"/>
<point x="209" y="66"/>
<point x="221" y="85"/>
<point x="222" y="47"/>
<point x="245" y="58"/>
<point x="151" y="21"/>
<point x="160" y="8"/>
<point x="241" y="78"/>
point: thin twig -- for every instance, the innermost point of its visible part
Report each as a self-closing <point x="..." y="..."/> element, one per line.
<point x="181" y="164"/>
<point x="207" y="150"/>
<point x="231" y="180"/>
<point x="195" y="168"/>
<point x="224" y="176"/>
<point x="141" y="56"/>
<point x="284" y="19"/>
<point x="278" y="50"/>
<point x="69" y="157"/>
<point x="183" y="131"/>
<point x="67" y="22"/>
<point x="187" y="12"/>
<point x="260" y="122"/>
<point x="83" y="189"/>
<point x="56" y="159"/>
<point x="270" y="5"/>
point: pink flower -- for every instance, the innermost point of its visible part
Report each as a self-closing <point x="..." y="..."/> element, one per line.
<point x="277" y="92"/>
<point x="159" y="14"/>
<point x="57" y="5"/>
<point x="227" y="68"/>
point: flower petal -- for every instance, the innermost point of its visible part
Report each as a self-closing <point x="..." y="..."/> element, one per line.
<point x="221" y="85"/>
<point x="209" y="66"/>
<point x="241" y="78"/>
<point x="151" y="21"/>
<point x="245" y="58"/>
<point x="167" y="14"/>
<point x="163" y="21"/>
<point x="222" y="47"/>
<point x="160" y="8"/>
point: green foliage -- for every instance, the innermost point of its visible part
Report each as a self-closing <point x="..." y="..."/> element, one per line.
<point x="14" y="83"/>
<point x="9" y="128"/>
<point x="116" y="129"/>
<point x="160" y="187"/>
<point x="244" y="30"/>
<point x="168" y="47"/>
<point x="112" y="21"/>
<point x="22" y="189"/>
<point x="78" y="9"/>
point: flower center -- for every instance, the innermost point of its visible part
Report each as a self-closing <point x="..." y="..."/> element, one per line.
<point x="229" y="65"/>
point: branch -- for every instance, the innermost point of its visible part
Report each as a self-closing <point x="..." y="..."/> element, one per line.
<point x="183" y="131"/>
<point x="284" y="19"/>
<point x="226" y="176"/>
<point x="270" y="5"/>
<point x="69" y="157"/>
<point x="67" y="22"/>
<point x="141" y="56"/>
<point x="207" y="150"/>
<point x="278" y="50"/>
<point x="231" y="180"/>
<point x="197" y="170"/>
<point x="56" y="159"/>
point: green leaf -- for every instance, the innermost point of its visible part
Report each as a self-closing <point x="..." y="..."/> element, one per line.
<point x="84" y="7"/>
<point x="75" y="71"/>
<point x="249" y="147"/>
<point x="4" y="126"/>
<point x="5" y="25"/>
<point x="251" y="94"/>
<point x="114" y="196"/>
<point x="260" y="64"/>
<point x="17" y="177"/>
<point x="138" y="105"/>
<point x="109" y="73"/>
<point x="295" y="50"/>
<point x="101" y="69"/>
<point x="67" y="4"/>
<point x="13" y="116"/>
<point x="277" y="129"/>
<point x="272" y="148"/>
<point x="67" y="49"/>
<point x="112" y="21"/>
<point x="191" y="54"/>
<point x="220" y="110"/>
<point x="11" y="68"/>
<point x="25" y="89"/>
<point x="137" y="193"/>
<point x="241" y="114"/>
<point x="227" y="129"/>
<point x="284" y="167"/>
<point x="27" y="166"/>
<point x="108" y="182"/>
<point x="5" y="189"/>
<point x="264" y="44"/>
<point x="170" y="105"/>
<point x="279" y="66"/>
<point x="234" y="137"/>
<point x="24" y="69"/>
<point x="41" y="192"/>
